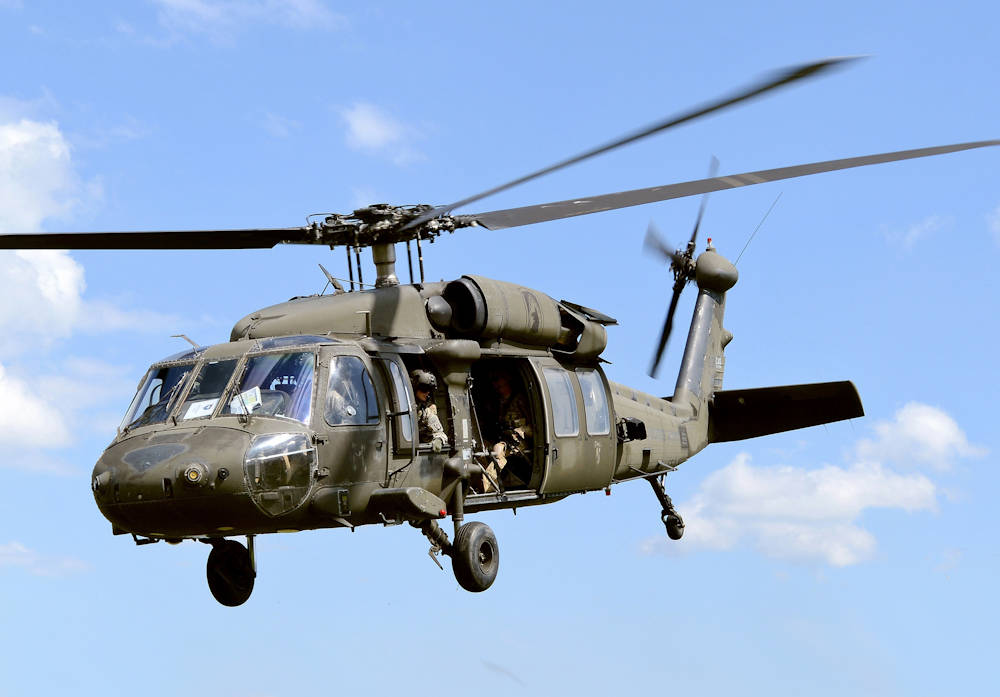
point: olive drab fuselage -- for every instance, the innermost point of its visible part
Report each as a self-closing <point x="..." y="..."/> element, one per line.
<point x="223" y="464"/>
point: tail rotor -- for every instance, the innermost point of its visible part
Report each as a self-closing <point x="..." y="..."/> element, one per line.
<point x="682" y="266"/>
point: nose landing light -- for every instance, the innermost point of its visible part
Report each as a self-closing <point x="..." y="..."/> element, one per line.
<point x="100" y="482"/>
<point x="195" y="474"/>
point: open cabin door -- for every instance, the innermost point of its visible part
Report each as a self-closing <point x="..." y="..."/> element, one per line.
<point x="579" y="442"/>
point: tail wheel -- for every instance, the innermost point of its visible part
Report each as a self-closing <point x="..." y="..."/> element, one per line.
<point x="475" y="557"/>
<point x="230" y="573"/>
<point x="674" y="525"/>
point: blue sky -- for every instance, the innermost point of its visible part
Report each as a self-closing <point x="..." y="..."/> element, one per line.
<point x="855" y="558"/>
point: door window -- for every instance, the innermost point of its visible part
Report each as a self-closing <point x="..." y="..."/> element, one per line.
<point x="595" y="402"/>
<point x="350" y="399"/>
<point x="565" y="421"/>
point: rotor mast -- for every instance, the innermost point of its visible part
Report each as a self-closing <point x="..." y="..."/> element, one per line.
<point x="384" y="256"/>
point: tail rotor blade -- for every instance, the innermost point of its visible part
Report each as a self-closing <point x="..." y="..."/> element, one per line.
<point x="654" y="242"/>
<point x="667" y="326"/>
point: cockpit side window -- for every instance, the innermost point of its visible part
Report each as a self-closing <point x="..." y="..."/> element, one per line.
<point x="350" y="399"/>
<point x="155" y="398"/>
<point x="275" y="384"/>
<point x="402" y="401"/>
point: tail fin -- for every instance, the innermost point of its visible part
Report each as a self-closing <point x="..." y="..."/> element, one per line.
<point x="702" y="367"/>
<point x="704" y="359"/>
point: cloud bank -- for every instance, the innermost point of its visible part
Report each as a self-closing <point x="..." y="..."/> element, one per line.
<point x="815" y="514"/>
<point x="50" y="404"/>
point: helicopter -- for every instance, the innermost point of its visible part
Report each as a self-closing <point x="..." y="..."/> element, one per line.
<point x="309" y="416"/>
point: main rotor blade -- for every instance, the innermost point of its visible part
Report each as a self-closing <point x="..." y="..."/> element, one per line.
<point x="668" y="324"/>
<point x="526" y="215"/>
<point x="254" y="238"/>
<point x="773" y="81"/>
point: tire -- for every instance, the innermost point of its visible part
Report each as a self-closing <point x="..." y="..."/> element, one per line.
<point x="675" y="527"/>
<point x="230" y="573"/>
<point x="475" y="557"/>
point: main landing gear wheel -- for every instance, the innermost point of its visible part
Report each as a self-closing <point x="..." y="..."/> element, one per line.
<point x="475" y="557"/>
<point x="674" y="525"/>
<point x="230" y="573"/>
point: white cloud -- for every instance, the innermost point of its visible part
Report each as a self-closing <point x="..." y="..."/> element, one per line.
<point x="15" y="555"/>
<point x="41" y="412"/>
<point x="37" y="180"/>
<point x="279" y="126"/>
<point x="362" y="196"/>
<point x="794" y="513"/>
<point x="918" y="434"/>
<point x="814" y="514"/>
<point x="917" y="231"/>
<point x="28" y="420"/>
<point x="370" y="129"/>
<point x="220" y="18"/>
<point x="48" y="302"/>
<point x="994" y="222"/>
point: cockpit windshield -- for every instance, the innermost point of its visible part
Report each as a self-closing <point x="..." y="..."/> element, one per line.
<point x="275" y="384"/>
<point x="207" y="388"/>
<point x="156" y="396"/>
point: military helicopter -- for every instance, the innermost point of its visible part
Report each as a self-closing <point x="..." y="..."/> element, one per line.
<point x="306" y="418"/>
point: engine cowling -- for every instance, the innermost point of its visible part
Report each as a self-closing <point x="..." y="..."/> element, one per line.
<point x="481" y="308"/>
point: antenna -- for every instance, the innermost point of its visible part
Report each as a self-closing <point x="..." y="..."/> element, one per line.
<point x="186" y="338"/>
<point x="331" y="280"/>
<point x="757" y="228"/>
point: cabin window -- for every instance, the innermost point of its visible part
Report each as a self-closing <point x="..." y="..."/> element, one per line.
<point x="595" y="402"/>
<point x="565" y="421"/>
<point x="275" y="384"/>
<point x="350" y="399"/>
<point x="402" y="401"/>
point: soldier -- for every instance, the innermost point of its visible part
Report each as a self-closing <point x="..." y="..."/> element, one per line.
<point x="429" y="425"/>
<point x="514" y="435"/>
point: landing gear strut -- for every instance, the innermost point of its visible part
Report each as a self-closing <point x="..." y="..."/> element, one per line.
<point x="671" y="518"/>
<point x="231" y="571"/>
<point x="475" y="555"/>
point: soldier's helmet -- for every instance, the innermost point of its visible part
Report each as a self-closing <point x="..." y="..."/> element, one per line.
<point x="424" y="379"/>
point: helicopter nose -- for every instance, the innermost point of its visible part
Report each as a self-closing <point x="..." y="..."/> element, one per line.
<point x="173" y="482"/>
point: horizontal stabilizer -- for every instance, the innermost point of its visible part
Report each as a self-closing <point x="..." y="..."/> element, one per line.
<point x="742" y="414"/>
